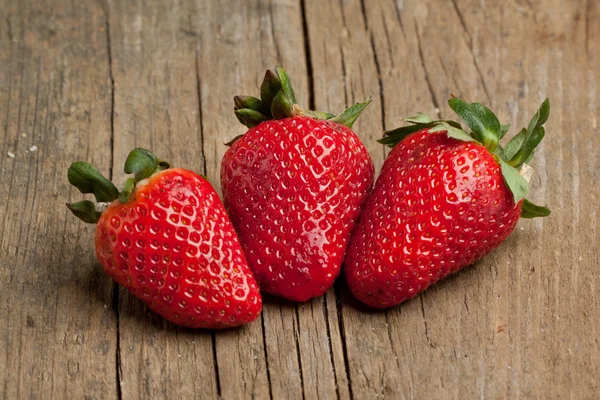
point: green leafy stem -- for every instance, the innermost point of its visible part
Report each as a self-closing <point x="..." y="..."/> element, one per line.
<point x="87" y="179"/>
<point x="485" y="128"/>
<point x="278" y="101"/>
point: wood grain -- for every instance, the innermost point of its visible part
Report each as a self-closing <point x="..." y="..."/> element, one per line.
<point x="156" y="106"/>
<point x="58" y="326"/>
<point x="92" y="80"/>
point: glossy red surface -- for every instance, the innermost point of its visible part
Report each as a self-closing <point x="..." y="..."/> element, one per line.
<point x="439" y="205"/>
<point x="294" y="189"/>
<point x="174" y="248"/>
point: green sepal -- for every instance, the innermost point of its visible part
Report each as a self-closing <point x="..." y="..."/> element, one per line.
<point x="349" y="116"/>
<point x="143" y="164"/>
<point x="85" y="210"/>
<point x="278" y="101"/>
<point x="249" y="117"/>
<point x="232" y="141"/>
<point x="530" y="210"/>
<point x="286" y="92"/>
<point x="319" y="115"/>
<point x="419" y="119"/>
<point x="394" y="136"/>
<point x="247" y="102"/>
<point x="482" y="121"/>
<point x="499" y="152"/>
<point x="271" y="85"/>
<point x="282" y="107"/>
<point x="514" y="144"/>
<point x="528" y="159"/>
<point x="520" y="148"/>
<point x="525" y="154"/>
<point x="516" y="183"/>
<point x="452" y="131"/>
<point x="504" y="130"/>
<point x="163" y="164"/>
<point x="540" y="117"/>
<point x="282" y="104"/>
<point x="125" y="194"/>
<point x="88" y="179"/>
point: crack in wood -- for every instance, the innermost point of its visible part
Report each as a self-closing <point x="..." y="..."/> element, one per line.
<point x="338" y="301"/>
<point x="340" y="316"/>
<point x="461" y="19"/>
<point x="115" y="299"/>
<point x="213" y="339"/>
<point x="398" y="13"/>
<point x="451" y="76"/>
<point x="388" y="40"/>
<point x="363" y="10"/>
<point x="423" y="63"/>
<point x="341" y="3"/>
<point x="470" y="46"/>
<point x="307" y="53"/>
<point x="380" y="79"/>
<point x="343" y="61"/>
<point x="264" y="337"/>
<point x="389" y="333"/>
<point x="378" y="69"/>
<point x="327" y="325"/>
<point x="200" y="119"/>
<point x="297" y="340"/>
<point x="275" y="43"/>
<point x="425" y="320"/>
<point x="112" y="91"/>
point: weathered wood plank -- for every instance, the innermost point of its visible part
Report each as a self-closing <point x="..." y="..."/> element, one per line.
<point x="521" y="323"/>
<point x="551" y="275"/>
<point x="320" y="376"/>
<point x="157" y="107"/>
<point x="346" y="70"/>
<point x="229" y="59"/>
<point x="58" y="325"/>
<point x="500" y="328"/>
<point x="260" y="35"/>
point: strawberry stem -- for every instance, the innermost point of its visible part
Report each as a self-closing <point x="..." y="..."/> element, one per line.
<point x="88" y="179"/>
<point x="85" y="210"/>
<point x="278" y="101"/>
<point x="521" y="147"/>
<point x="351" y="114"/>
<point x="530" y="210"/>
<point x="482" y="121"/>
<point x="487" y="130"/>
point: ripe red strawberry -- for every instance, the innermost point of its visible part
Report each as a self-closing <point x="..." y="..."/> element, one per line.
<point x="167" y="239"/>
<point x="294" y="186"/>
<point x="445" y="198"/>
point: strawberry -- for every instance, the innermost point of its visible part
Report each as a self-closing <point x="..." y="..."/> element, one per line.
<point x="444" y="199"/>
<point x="294" y="186"/>
<point x="167" y="239"/>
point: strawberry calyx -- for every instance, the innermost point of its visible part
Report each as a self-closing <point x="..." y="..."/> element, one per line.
<point x="278" y="101"/>
<point x="486" y="129"/>
<point x="143" y="164"/>
<point x="87" y="179"/>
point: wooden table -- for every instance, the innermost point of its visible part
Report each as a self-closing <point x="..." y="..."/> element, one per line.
<point x="90" y="80"/>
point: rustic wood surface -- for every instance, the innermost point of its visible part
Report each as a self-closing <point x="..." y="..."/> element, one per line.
<point x="90" y="80"/>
